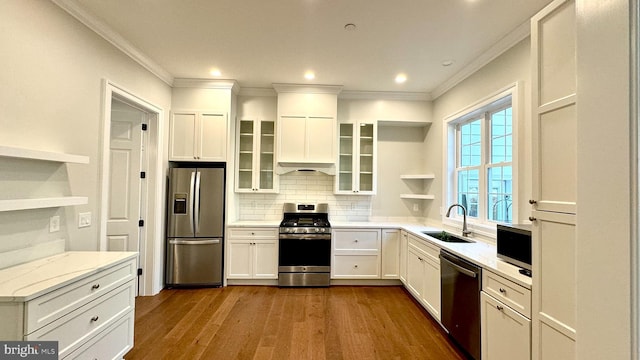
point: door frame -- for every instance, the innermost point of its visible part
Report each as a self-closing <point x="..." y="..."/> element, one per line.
<point x="151" y="249"/>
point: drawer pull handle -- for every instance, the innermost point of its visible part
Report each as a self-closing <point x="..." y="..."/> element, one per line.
<point x="503" y="290"/>
<point x="499" y="307"/>
<point x="95" y="318"/>
<point x="95" y="286"/>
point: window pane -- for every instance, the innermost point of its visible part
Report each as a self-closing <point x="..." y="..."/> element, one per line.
<point x="468" y="186"/>
<point x="501" y="134"/>
<point x="499" y="194"/>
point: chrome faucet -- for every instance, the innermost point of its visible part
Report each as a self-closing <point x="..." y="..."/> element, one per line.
<point x="465" y="231"/>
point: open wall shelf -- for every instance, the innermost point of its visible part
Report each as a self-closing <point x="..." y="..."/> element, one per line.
<point x="41" y="203"/>
<point x="20" y="153"/>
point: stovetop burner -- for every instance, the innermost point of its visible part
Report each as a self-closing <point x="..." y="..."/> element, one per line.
<point x="305" y="218"/>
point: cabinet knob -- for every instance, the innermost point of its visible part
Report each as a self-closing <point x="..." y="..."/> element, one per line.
<point x="532" y="219"/>
<point x="503" y="290"/>
<point x="532" y="202"/>
<point x="499" y="307"/>
<point x="95" y="286"/>
<point x="95" y="318"/>
<point x="355" y="266"/>
<point x="356" y="240"/>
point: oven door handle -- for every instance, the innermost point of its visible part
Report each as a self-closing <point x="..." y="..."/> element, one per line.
<point x="305" y="237"/>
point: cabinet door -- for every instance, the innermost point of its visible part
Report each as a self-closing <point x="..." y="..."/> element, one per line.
<point x="265" y="254"/>
<point x="239" y="262"/>
<point x="415" y="270"/>
<point x="245" y="156"/>
<point x="291" y="138"/>
<point x="431" y="295"/>
<point x="346" y="161"/>
<point x="183" y="129"/>
<point x="266" y="161"/>
<point x="390" y="254"/>
<point x="366" y="158"/>
<point x="212" y="142"/>
<point x="404" y="248"/>
<point x="320" y="138"/>
<point x="506" y="335"/>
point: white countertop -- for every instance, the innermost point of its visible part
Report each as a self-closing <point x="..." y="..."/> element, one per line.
<point x="478" y="252"/>
<point x="29" y="280"/>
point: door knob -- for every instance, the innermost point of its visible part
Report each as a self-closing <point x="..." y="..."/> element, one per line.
<point x="532" y="202"/>
<point x="532" y="219"/>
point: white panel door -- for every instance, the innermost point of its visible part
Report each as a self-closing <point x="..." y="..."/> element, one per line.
<point x="183" y="130"/>
<point x="291" y="138"/>
<point x="212" y="142"/>
<point x="126" y="152"/>
<point x="239" y="264"/>
<point x="265" y="255"/>
<point x="321" y="139"/>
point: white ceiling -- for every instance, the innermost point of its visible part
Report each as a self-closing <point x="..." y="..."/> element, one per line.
<point x="260" y="42"/>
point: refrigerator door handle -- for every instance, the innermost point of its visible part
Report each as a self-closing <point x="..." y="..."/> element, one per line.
<point x="191" y="190"/>
<point x="197" y="205"/>
<point x="192" y="242"/>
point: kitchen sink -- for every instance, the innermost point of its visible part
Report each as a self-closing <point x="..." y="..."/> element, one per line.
<point x="446" y="237"/>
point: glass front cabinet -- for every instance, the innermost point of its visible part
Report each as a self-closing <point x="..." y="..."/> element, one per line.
<point x="256" y="156"/>
<point x="357" y="159"/>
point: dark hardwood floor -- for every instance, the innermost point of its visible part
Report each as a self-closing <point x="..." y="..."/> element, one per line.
<point x="260" y="322"/>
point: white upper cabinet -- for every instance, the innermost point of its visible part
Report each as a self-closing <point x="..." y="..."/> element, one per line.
<point x="198" y="136"/>
<point x="306" y="128"/>
<point x="357" y="162"/>
<point x="256" y="156"/>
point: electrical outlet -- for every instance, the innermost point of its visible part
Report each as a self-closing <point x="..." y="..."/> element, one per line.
<point x="84" y="219"/>
<point x="54" y="224"/>
<point x="416" y="207"/>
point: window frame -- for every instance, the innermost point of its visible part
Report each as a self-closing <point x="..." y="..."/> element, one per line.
<point x="490" y="104"/>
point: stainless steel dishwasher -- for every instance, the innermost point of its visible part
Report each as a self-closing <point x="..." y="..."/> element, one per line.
<point x="460" y="301"/>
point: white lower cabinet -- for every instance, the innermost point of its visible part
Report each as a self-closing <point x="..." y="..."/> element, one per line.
<point x="390" y="253"/>
<point x="356" y="254"/>
<point x="404" y="249"/>
<point x="91" y="317"/>
<point x="505" y="332"/>
<point x="252" y="253"/>
<point x="423" y="274"/>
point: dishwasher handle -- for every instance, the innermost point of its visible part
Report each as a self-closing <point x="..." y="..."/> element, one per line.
<point x="451" y="262"/>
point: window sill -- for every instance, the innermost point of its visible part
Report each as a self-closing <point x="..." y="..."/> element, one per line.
<point x="487" y="231"/>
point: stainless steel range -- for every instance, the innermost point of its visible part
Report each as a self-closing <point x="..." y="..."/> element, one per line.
<point x="305" y="246"/>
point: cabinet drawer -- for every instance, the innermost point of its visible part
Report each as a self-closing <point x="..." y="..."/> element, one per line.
<point x="75" y="328"/>
<point x="356" y="239"/>
<point x="510" y="293"/>
<point x="52" y="306"/>
<point x="253" y="233"/>
<point x="429" y="250"/>
<point x="112" y="343"/>
<point x="356" y="266"/>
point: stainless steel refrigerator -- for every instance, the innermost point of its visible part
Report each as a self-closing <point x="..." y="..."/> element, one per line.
<point x="195" y="226"/>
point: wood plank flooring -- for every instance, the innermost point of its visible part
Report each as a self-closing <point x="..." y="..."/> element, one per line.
<point x="261" y="322"/>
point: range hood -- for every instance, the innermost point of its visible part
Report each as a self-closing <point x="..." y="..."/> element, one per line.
<point x="287" y="167"/>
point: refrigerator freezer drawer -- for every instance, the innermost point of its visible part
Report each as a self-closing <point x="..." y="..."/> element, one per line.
<point x="194" y="262"/>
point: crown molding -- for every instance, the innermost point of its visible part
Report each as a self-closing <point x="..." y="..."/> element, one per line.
<point x="249" y="91"/>
<point x="309" y="89"/>
<point x="113" y="37"/>
<point x="226" y="84"/>
<point x="384" y="95"/>
<point x="507" y="42"/>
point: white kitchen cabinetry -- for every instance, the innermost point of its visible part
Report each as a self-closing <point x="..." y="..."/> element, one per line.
<point x="390" y="253"/>
<point x="256" y="156"/>
<point x="505" y="311"/>
<point x="27" y="202"/>
<point x="252" y="253"/>
<point x="357" y="163"/>
<point x="554" y="138"/>
<point x="417" y="178"/>
<point x="306" y="139"/>
<point x="89" y="311"/>
<point x="423" y="274"/>
<point x="356" y="254"/>
<point x="198" y="136"/>
<point x="404" y="249"/>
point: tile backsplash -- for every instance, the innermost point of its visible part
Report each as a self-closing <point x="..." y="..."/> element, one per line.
<point x="304" y="187"/>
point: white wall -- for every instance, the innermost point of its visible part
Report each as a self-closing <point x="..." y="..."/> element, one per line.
<point x="510" y="67"/>
<point x="51" y="90"/>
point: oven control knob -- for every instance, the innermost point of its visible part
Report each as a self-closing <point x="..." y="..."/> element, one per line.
<point x="317" y="230"/>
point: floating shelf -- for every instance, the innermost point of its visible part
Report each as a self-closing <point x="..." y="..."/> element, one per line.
<point x="418" y="177"/>
<point x="417" y="196"/>
<point x="26" y="204"/>
<point x="20" y="153"/>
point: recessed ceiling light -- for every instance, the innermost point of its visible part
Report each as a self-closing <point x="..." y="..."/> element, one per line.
<point x="215" y="72"/>
<point x="401" y="78"/>
<point x="447" y="63"/>
<point x="350" y="27"/>
<point x="309" y="75"/>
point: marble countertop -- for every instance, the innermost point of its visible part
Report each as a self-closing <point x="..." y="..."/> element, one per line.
<point x="29" y="280"/>
<point x="478" y="252"/>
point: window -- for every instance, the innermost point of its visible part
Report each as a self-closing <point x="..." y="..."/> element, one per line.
<point x="480" y="160"/>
